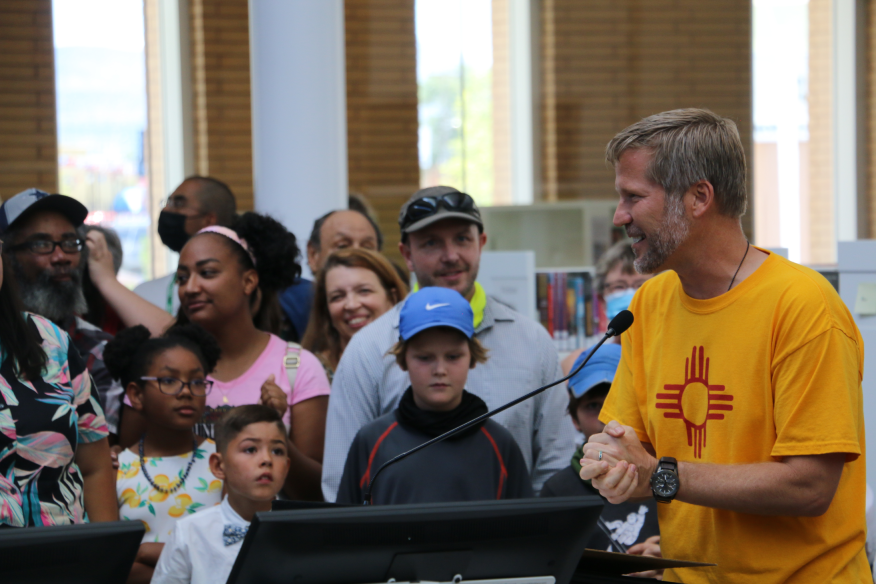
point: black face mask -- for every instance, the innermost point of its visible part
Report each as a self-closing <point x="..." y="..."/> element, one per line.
<point x="172" y="230"/>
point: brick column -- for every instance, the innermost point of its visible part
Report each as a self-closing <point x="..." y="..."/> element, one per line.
<point x="382" y="122"/>
<point x="221" y="94"/>
<point x="28" y="130"/>
<point x="822" y="245"/>
<point x="609" y="63"/>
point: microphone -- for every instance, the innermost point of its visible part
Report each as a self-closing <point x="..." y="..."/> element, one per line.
<point x="618" y="325"/>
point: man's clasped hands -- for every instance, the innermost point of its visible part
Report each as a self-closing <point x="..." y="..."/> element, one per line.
<point x="618" y="465"/>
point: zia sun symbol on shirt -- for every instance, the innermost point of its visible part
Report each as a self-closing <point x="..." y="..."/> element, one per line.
<point x="695" y="401"/>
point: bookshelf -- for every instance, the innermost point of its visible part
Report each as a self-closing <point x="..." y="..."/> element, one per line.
<point x="568" y="307"/>
<point x="566" y="233"/>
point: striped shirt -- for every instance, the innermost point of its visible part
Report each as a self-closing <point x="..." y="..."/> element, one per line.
<point x="369" y="384"/>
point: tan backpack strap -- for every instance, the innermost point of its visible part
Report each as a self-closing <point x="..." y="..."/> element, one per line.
<point x="291" y="362"/>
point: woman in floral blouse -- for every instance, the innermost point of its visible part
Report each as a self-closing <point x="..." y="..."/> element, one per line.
<point x="55" y="464"/>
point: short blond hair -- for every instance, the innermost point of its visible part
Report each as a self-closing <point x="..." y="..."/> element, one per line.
<point x="690" y="145"/>
<point x="400" y="349"/>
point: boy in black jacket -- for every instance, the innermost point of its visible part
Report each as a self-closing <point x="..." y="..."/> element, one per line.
<point x="437" y="348"/>
<point x="630" y="523"/>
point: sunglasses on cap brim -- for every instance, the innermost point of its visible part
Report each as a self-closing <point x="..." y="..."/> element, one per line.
<point x="428" y="206"/>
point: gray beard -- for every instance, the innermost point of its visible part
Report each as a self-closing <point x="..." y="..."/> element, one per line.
<point x="668" y="237"/>
<point x="56" y="301"/>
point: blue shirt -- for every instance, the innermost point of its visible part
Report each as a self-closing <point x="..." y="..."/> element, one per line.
<point x="296" y="301"/>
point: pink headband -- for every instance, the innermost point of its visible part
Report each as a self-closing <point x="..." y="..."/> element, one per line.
<point x="230" y="234"/>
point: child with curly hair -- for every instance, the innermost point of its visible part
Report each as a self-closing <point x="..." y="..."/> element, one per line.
<point x="228" y="283"/>
<point x="166" y="475"/>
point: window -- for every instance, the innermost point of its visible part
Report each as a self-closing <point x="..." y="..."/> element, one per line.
<point x="781" y="123"/>
<point x="454" y="76"/>
<point x="100" y="84"/>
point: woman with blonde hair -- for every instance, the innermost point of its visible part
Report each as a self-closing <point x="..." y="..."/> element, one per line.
<point x="355" y="287"/>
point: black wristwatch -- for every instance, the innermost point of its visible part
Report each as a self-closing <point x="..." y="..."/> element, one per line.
<point x="664" y="481"/>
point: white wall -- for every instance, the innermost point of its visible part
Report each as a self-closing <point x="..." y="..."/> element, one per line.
<point x="857" y="265"/>
<point x="299" y="119"/>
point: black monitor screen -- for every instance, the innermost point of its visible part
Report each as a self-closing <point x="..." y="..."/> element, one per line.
<point x="93" y="553"/>
<point x="436" y="542"/>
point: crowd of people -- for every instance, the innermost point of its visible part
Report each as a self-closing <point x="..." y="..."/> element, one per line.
<point x="193" y="401"/>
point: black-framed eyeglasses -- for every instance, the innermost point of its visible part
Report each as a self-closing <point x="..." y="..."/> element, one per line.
<point x="428" y="206"/>
<point x="173" y="386"/>
<point x="47" y="246"/>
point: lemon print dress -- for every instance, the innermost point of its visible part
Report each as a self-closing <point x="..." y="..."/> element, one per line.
<point x="139" y="500"/>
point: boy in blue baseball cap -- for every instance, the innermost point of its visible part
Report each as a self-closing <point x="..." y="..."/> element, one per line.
<point x="630" y="523"/>
<point x="437" y="348"/>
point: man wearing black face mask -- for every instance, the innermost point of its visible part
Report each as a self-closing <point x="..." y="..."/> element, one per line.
<point x="199" y="202"/>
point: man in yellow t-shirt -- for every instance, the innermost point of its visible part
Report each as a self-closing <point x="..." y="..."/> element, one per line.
<point x="737" y="401"/>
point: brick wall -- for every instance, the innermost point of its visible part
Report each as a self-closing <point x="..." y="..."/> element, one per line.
<point x="822" y="247"/>
<point x="382" y="121"/>
<point x="154" y="143"/>
<point x="609" y="63"/>
<point x="28" y="134"/>
<point x="502" y="171"/>
<point x="221" y="94"/>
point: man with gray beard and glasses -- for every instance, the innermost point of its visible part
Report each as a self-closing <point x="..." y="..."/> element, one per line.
<point x="45" y="251"/>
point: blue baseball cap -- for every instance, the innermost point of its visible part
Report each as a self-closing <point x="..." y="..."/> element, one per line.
<point x="600" y="369"/>
<point x="34" y="199"/>
<point x="432" y="307"/>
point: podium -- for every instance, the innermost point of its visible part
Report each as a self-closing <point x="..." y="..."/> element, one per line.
<point x="522" y="541"/>
<point x="91" y="553"/>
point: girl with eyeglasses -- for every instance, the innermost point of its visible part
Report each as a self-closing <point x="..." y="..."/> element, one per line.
<point x="166" y="475"/>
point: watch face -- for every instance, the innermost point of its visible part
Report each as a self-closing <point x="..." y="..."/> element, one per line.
<point x="665" y="483"/>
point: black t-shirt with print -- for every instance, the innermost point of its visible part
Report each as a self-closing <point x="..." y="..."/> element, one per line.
<point x="630" y="523"/>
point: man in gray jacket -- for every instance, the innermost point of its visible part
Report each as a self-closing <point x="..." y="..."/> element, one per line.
<point x="442" y="239"/>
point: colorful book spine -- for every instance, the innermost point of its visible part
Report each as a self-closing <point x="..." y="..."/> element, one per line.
<point x="566" y="308"/>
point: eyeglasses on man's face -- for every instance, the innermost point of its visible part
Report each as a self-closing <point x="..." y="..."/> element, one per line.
<point x="47" y="246"/>
<point x="174" y="386"/>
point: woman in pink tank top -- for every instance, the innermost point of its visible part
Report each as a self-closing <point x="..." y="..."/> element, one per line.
<point x="228" y="283"/>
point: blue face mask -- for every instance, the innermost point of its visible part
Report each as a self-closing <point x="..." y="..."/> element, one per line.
<point x="618" y="301"/>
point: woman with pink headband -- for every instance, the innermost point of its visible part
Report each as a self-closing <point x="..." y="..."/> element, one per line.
<point x="228" y="283"/>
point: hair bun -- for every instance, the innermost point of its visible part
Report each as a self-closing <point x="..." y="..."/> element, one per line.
<point x="275" y="249"/>
<point x="121" y="350"/>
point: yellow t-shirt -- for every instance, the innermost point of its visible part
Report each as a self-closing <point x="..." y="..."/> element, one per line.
<point x="772" y="368"/>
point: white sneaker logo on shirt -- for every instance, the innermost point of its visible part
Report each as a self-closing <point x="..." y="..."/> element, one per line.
<point x="434" y="306"/>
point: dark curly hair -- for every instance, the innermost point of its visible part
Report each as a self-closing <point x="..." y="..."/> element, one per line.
<point x="276" y="261"/>
<point x="130" y="354"/>
<point x="19" y="337"/>
<point x="274" y="247"/>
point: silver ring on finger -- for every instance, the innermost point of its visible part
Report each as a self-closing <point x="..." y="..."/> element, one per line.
<point x="600" y="456"/>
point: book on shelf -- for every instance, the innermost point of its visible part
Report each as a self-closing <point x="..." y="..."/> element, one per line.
<point x="566" y="301"/>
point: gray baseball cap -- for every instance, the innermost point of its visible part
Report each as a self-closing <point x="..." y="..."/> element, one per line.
<point x="433" y="204"/>
<point x="34" y="199"/>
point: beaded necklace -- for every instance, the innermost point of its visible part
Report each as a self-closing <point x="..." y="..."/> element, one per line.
<point x="182" y="479"/>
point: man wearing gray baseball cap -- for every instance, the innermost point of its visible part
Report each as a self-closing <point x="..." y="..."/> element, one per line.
<point x="45" y="251"/>
<point x="442" y="238"/>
